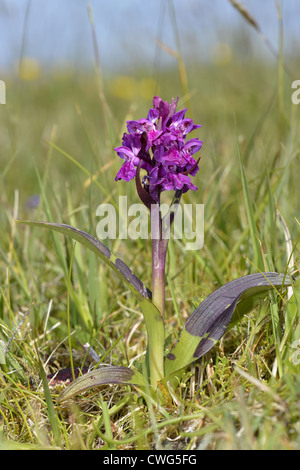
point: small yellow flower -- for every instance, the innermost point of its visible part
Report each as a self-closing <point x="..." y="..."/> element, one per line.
<point x="29" y="69"/>
<point x="221" y="54"/>
<point x="124" y="87"/>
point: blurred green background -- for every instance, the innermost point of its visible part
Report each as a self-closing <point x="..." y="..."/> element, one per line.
<point x="75" y="71"/>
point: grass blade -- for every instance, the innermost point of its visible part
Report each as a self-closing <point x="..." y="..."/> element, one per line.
<point x="258" y="261"/>
<point x="50" y="408"/>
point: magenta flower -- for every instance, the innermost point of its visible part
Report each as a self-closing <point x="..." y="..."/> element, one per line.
<point x="131" y="153"/>
<point x="158" y="145"/>
<point x="162" y="180"/>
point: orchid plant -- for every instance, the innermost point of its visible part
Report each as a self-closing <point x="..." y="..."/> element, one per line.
<point x="159" y="147"/>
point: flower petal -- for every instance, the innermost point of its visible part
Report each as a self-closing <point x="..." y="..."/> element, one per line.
<point x="127" y="172"/>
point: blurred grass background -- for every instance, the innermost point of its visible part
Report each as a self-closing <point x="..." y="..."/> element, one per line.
<point x="59" y="126"/>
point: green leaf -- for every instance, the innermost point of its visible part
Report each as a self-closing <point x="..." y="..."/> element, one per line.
<point x="102" y="376"/>
<point x="258" y="261"/>
<point x="53" y="419"/>
<point x="210" y="320"/>
<point x="100" y="250"/>
<point x="153" y="318"/>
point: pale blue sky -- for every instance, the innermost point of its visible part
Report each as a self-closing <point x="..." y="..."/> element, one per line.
<point x="58" y="31"/>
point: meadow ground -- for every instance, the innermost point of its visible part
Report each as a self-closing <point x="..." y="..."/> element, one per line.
<point x="57" y="138"/>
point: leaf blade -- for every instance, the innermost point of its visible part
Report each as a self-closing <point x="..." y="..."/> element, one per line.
<point x="153" y="319"/>
<point x="258" y="261"/>
<point x="103" y="376"/>
<point x="133" y="282"/>
<point x="210" y="320"/>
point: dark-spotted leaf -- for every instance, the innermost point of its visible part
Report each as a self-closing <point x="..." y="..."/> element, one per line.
<point x="66" y="375"/>
<point x="210" y="320"/>
<point x="103" y="376"/>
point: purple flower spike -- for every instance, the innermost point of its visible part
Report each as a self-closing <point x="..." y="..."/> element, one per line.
<point x="130" y="155"/>
<point x="158" y="145"/>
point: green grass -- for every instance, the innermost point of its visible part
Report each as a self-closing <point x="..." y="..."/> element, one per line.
<point x="55" y="142"/>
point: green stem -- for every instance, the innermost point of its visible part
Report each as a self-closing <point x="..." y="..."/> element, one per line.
<point x="158" y="274"/>
<point x="159" y="251"/>
<point x="156" y="341"/>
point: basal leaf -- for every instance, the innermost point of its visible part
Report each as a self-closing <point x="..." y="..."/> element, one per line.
<point x="210" y="320"/>
<point x="103" y="376"/>
<point x="153" y="318"/>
